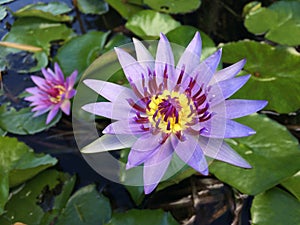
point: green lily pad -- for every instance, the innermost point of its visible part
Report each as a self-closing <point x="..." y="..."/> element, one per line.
<point x="173" y="6"/>
<point x="86" y="206"/>
<point x="52" y="11"/>
<point x="279" y="22"/>
<point x="275" y="207"/>
<point x="126" y="8"/>
<point x="30" y="203"/>
<point x="18" y="163"/>
<point x="98" y="7"/>
<point x="22" y="122"/>
<point x="273" y="153"/>
<point x="3" y="12"/>
<point x="275" y="73"/>
<point x="80" y="52"/>
<point x="5" y="1"/>
<point x="293" y="185"/>
<point x="148" y="24"/>
<point x="183" y="35"/>
<point x="117" y="40"/>
<point x="145" y="217"/>
<point x="35" y="32"/>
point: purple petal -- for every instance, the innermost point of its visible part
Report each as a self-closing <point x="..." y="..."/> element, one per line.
<point x="190" y="152"/>
<point x="59" y="73"/>
<point x="136" y="158"/>
<point x="70" y="94"/>
<point x="147" y="142"/>
<point x="109" y="142"/>
<point x="108" y="90"/>
<point x="66" y="107"/>
<point x="40" y="82"/>
<point x="164" y="62"/>
<point x="219" y="127"/>
<point x="191" y="56"/>
<point x="109" y="110"/>
<point x="52" y="114"/>
<point x="218" y="149"/>
<point x="33" y="90"/>
<point x="236" y="108"/>
<point x="40" y="111"/>
<point x="71" y="80"/>
<point x="132" y="69"/>
<point x="224" y="89"/>
<point x="124" y="127"/>
<point x="143" y="56"/>
<point x="229" y="72"/>
<point x="156" y="166"/>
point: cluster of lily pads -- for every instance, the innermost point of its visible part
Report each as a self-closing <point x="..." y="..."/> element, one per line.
<point x="45" y="32"/>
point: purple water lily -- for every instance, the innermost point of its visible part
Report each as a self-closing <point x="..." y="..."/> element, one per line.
<point x="52" y="93"/>
<point x="170" y="109"/>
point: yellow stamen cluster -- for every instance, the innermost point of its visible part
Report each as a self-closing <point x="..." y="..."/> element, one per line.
<point x="60" y="90"/>
<point x="184" y="107"/>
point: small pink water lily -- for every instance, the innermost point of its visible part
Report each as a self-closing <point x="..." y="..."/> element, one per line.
<point x="172" y="109"/>
<point x="52" y="93"/>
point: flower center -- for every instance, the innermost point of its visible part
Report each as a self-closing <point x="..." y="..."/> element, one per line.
<point x="55" y="94"/>
<point x="170" y="112"/>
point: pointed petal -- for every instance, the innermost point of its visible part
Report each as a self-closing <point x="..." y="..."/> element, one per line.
<point x="108" y="110"/>
<point x="33" y="90"/>
<point x="143" y="56"/>
<point x="71" y="80"/>
<point x="224" y="89"/>
<point x="147" y="142"/>
<point x="219" y="149"/>
<point x="124" y="127"/>
<point x="164" y="61"/>
<point x="236" y="108"/>
<point x="59" y="73"/>
<point x="52" y="114"/>
<point x="190" y="152"/>
<point x="156" y="166"/>
<point x="191" y="56"/>
<point x="108" y="90"/>
<point x="132" y="69"/>
<point x="66" y="107"/>
<point x="136" y="158"/>
<point x="219" y="127"/>
<point x="109" y="142"/>
<point x="40" y="112"/>
<point x="229" y="72"/>
<point x="40" y="82"/>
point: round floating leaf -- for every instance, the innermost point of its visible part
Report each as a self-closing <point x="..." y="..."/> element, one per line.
<point x="293" y="185"/>
<point x="145" y="217"/>
<point x="80" y="52"/>
<point x="22" y="121"/>
<point x="126" y="8"/>
<point x="148" y="24"/>
<point x="98" y="7"/>
<point x="51" y="11"/>
<point x="273" y="153"/>
<point x="279" y="22"/>
<point x="275" y="207"/>
<point x="36" y="196"/>
<point x="5" y="1"/>
<point x="18" y="163"/>
<point x="173" y="6"/>
<point x="275" y="73"/>
<point x="3" y="12"/>
<point x="4" y="190"/>
<point x="38" y="33"/>
<point x="86" y="206"/>
<point x="183" y="35"/>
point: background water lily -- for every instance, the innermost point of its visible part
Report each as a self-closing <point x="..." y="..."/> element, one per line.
<point x="52" y="93"/>
<point x="169" y="109"/>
